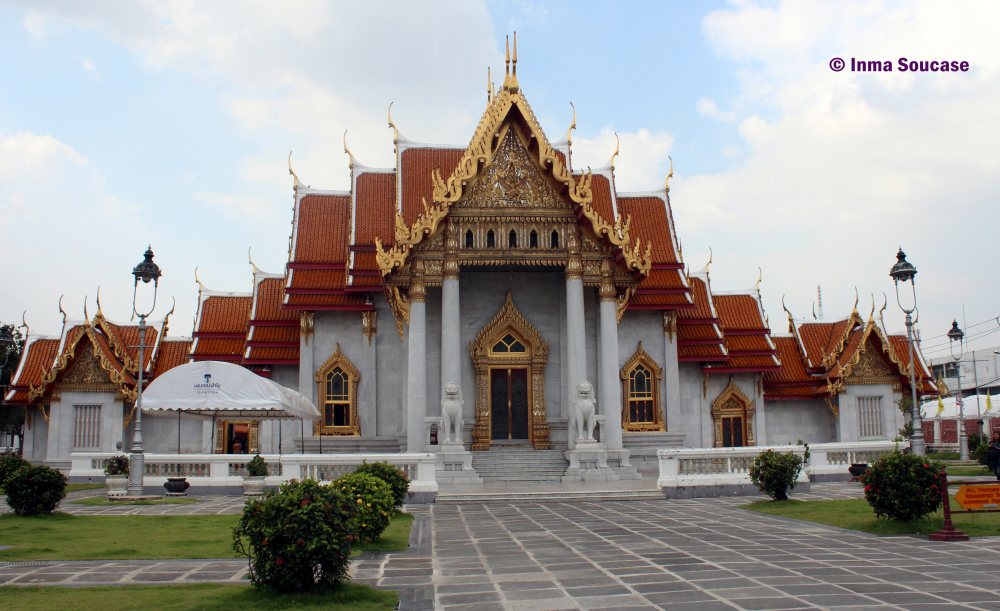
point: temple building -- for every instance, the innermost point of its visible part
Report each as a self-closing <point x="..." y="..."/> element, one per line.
<point x="504" y="269"/>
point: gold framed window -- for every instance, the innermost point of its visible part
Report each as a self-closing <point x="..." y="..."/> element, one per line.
<point x="337" y="382"/>
<point x="641" y="389"/>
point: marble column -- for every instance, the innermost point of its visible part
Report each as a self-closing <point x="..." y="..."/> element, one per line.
<point x="576" y="337"/>
<point x="610" y="404"/>
<point x="451" y="342"/>
<point x="307" y="366"/>
<point x="416" y="375"/>
<point x="671" y="373"/>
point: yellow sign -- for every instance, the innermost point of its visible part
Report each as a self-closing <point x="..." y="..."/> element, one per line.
<point x="979" y="497"/>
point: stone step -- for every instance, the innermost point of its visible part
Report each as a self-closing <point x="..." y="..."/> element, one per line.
<point x="596" y="496"/>
<point x="519" y="464"/>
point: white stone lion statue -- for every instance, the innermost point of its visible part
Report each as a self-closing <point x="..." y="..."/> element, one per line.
<point x="451" y="412"/>
<point x="584" y="412"/>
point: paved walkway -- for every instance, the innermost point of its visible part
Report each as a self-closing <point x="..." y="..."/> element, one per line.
<point x="682" y="554"/>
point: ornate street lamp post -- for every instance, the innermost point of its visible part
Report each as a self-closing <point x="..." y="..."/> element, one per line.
<point x="904" y="271"/>
<point x="956" y="335"/>
<point x="145" y="271"/>
<point x="6" y="345"/>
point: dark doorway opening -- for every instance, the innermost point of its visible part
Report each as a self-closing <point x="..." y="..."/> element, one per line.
<point x="509" y="403"/>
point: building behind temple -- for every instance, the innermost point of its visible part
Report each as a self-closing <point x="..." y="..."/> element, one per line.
<point x="501" y="267"/>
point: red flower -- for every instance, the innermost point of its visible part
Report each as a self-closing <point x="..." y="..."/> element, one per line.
<point x="280" y="561"/>
<point x="265" y="541"/>
<point x="925" y="466"/>
<point x="299" y="542"/>
<point x="868" y="487"/>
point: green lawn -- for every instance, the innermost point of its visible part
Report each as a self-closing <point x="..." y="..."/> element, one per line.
<point x="61" y="536"/>
<point x="943" y="455"/>
<point x="77" y="487"/>
<point x="967" y="471"/>
<point x="196" y="597"/>
<point x="857" y="514"/>
<point x="104" y="502"/>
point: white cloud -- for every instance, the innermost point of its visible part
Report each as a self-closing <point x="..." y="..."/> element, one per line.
<point x="641" y="164"/>
<point x="241" y="206"/>
<point x="89" y="66"/>
<point x="846" y="167"/>
<point x="708" y="108"/>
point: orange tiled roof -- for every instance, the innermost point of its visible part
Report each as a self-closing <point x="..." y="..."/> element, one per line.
<point x="375" y="213"/>
<point x="320" y="302"/>
<point x="660" y="302"/>
<point x="747" y="343"/>
<point x="750" y="363"/>
<point x="415" y="167"/>
<point x="41" y="353"/>
<point x="650" y="222"/>
<point x="322" y="229"/>
<point x="218" y="349"/>
<point x="272" y="356"/>
<point x="270" y="294"/>
<point x="739" y="313"/>
<point x="600" y="188"/>
<point x="173" y="352"/>
<point x="698" y="333"/>
<point x="323" y="279"/>
<point x="224" y="314"/>
<point x="699" y="293"/>
<point x="708" y="352"/>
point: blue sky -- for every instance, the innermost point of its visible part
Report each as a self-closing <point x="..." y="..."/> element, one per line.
<point x="170" y="124"/>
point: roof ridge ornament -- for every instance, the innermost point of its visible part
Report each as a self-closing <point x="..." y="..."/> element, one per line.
<point x="61" y="310"/>
<point x="791" y="320"/>
<point x="506" y="77"/>
<point x="615" y="154"/>
<point x="760" y="276"/>
<point x="395" y="130"/>
<point x="86" y="317"/>
<point x="295" y="185"/>
<point x="99" y="312"/>
<point x="348" y="151"/>
<point x="513" y="86"/>
<point x="24" y="323"/>
<point x="666" y="183"/>
<point x="201" y="286"/>
<point x="249" y="258"/>
<point x="569" y="134"/>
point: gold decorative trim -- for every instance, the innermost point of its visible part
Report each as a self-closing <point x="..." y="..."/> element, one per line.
<point x="641" y="357"/>
<point x="670" y="324"/>
<point x="508" y="319"/>
<point x="733" y="402"/>
<point x="337" y="359"/>
<point x="833" y="408"/>
<point x="253" y="436"/>
<point x="621" y="304"/>
<point x="128" y="417"/>
<point x="400" y="307"/>
<point x="306" y="328"/>
<point x="368" y="325"/>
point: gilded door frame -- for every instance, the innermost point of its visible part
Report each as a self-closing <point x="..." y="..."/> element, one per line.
<point x="509" y="320"/>
<point x="733" y="402"/>
<point x="253" y="434"/>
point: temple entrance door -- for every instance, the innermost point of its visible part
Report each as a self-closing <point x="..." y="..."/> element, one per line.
<point x="509" y="403"/>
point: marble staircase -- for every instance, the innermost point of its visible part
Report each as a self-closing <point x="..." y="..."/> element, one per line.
<point x="519" y="463"/>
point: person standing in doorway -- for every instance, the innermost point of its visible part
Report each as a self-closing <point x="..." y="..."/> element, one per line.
<point x="993" y="454"/>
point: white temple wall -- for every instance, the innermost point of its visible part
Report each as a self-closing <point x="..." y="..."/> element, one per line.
<point x="62" y="425"/>
<point x="693" y="417"/>
<point x="390" y="370"/>
<point x="645" y="326"/>
<point x="850" y="423"/>
<point x="433" y="301"/>
<point x="159" y="433"/>
<point x="286" y="375"/>
<point x="810" y="420"/>
<point x="36" y="438"/>
<point x="331" y="328"/>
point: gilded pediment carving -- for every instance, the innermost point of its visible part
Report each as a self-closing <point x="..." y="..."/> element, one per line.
<point x="512" y="180"/>
<point x="87" y="369"/>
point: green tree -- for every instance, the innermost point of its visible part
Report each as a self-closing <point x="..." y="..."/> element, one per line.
<point x="11" y="416"/>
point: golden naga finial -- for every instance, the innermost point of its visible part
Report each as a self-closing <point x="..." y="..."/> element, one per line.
<point x="61" y="311"/>
<point x="395" y="131"/>
<point x="760" y="276"/>
<point x="295" y="185"/>
<point x="666" y="183"/>
<point x="167" y="317"/>
<point x="569" y="132"/>
<point x="348" y="151"/>
<point x="99" y="312"/>
<point x="882" y="311"/>
<point x="615" y="154"/>
<point x="86" y="317"/>
<point x="680" y="250"/>
<point x="791" y="322"/>
<point x="855" y="311"/>
<point x="513" y="87"/>
<point x="24" y="323"/>
<point x="489" y="86"/>
<point x="871" y="315"/>
<point x="249" y="258"/>
<point x="198" y="282"/>
<point x="710" y="256"/>
<point x="814" y="311"/>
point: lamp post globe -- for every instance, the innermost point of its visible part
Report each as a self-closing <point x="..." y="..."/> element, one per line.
<point x="147" y="271"/>
<point x="956" y="335"/>
<point x="904" y="271"/>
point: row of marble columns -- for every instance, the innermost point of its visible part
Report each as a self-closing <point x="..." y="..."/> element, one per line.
<point x="451" y="350"/>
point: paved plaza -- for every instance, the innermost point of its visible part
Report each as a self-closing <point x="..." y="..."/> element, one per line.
<point x="700" y="554"/>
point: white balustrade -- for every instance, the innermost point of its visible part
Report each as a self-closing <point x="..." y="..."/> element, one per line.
<point x="681" y="467"/>
<point x="226" y="470"/>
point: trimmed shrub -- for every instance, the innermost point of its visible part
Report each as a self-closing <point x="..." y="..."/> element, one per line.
<point x="775" y="474"/>
<point x="903" y="487"/>
<point x="391" y="475"/>
<point x="117" y="465"/>
<point x="257" y="467"/>
<point x="34" y="489"/>
<point x="373" y="498"/>
<point x="9" y="463"/>
<point x="297" y="537"/>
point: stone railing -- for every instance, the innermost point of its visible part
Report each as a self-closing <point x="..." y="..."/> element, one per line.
<point x="226" y="470"/>
<point x="682" y="467"/>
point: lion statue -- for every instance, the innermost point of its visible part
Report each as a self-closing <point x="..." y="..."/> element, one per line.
<point x="584" y="412"/>
<point x="451" y="412"/>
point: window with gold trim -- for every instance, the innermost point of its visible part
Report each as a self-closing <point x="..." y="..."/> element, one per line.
<point x="641" y="388"/>
<point x="337" y="382"/>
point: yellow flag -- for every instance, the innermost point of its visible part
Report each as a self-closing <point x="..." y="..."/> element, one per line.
<point x="941" y="406"/>
<point x="989" y="404"/>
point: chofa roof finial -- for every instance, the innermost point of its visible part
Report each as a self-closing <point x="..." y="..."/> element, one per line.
<point x="666" y="183"/>
<point x="506" y="76"/>
<point x="348" y="151"/>
<point x="395" y="130"/>
<point x="295" y="185"/>
<point x="569" y="132"/>
<point x="250" y="258"/>
<point x="61" y="311"/>
<point x="513" y="86"/>
<point x="615" y="154"/>
<point x="99" y="311"/>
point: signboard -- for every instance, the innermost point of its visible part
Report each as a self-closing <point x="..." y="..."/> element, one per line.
<point x="979" y="497"/>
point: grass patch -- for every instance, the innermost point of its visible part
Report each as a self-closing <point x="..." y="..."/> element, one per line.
<point x="79" y="487"/>
<point x="195" y="597"/>
<point x="967" y="471"/>
<point x="104" y="502"/>
<point x="61" y="536"/>
<point x="857" y="514"/>
<point x="943" y="455"/>
<point x="396" y="537"/>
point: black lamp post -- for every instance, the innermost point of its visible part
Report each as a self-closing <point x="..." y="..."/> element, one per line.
<point x="146" y="271"/>
<point x="6" y="344"/>
<point x="956" y="335"/>
<point x="904" y="271"/>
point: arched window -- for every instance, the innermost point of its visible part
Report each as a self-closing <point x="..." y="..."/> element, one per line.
<point x="641" y="385"/>
<point x="512" y="239"/>
<point x="533" y="239"/>
<point x="337" y="382"/>
<point x="468" y="239"/>
<point x="555" y="239"/>
<point x="491" y="240"/>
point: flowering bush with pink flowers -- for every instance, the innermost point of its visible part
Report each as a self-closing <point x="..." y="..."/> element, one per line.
<point x="903" y="487"/>
<point x="297" y="537"/>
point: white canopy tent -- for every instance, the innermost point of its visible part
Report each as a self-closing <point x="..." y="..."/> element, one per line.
<point x="930" y="408"/>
